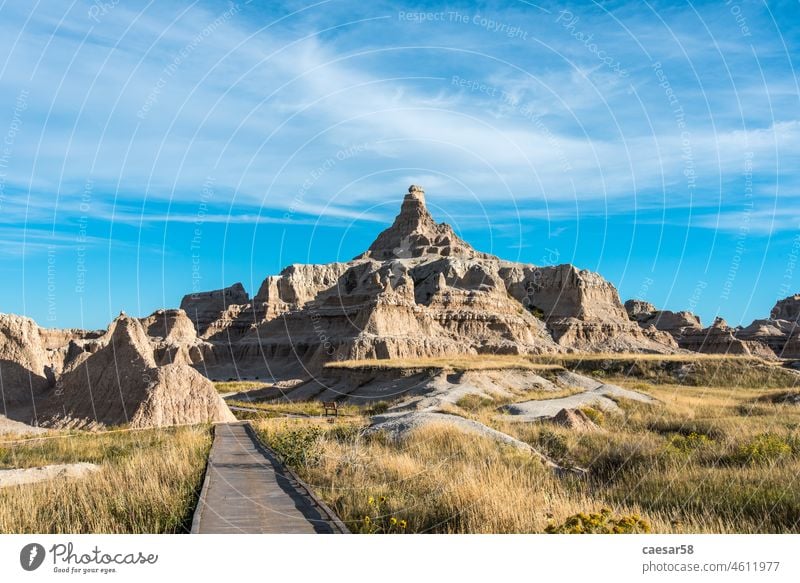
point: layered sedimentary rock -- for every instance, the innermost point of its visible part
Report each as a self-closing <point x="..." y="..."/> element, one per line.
<point x="121" y="383"/>
<point x="174" y="339"/>
<point x="24" y="368"/>
<point x="675" y="323"/>
<point x="295" y="287"/>
<point x="215" y="311"/>
<point x="787" y="309"/>
<point x="781" y="331"/>
<point x="583" y="311"/>
<point x="687" y="331"/>
<point x="414" y="233"/>
<point x="719" y="338"/>
<point x="418" y="291"/>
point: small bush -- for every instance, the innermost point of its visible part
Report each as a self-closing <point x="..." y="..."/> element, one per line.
<point x="379" y="518"/>
<point x="764" y="448"/>
<point x="689" y="443"/>
<point x="554" y="445"/>
<point x="602" y="522"/>
<point x="687" y="427"/>
<point x="594" y="415"/>
<point x="299" y="446"/>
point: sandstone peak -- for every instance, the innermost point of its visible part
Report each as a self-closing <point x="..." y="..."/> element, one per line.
<point x="787" y="309"/>
<point x="416" y="192"/>
<point x="415" y="233"/>
<point x="720" y="324"/>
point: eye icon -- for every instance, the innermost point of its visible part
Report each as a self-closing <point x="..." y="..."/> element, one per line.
<point x="31" y="556"/>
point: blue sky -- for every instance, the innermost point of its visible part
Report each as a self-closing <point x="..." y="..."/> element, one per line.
<point x="151" y="149"/>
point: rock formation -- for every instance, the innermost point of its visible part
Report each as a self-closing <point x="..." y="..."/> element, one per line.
<point x="414" y="233"/>
<point x="675" y="323"/>
<point x="418" y="291"/>
<point x="780" y="332"/>
<point x="121" y="383"/>
<point x="24" y="368"/>
<point x="787" y="309"/>
<point x="213" y="312"/>
<point x="175" y="339"/>
<point x="719" y="338"/>
<point x="576" y="420"/>
<point x="685" y="328"/>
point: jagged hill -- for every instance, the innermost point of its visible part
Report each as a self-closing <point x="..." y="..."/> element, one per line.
<point x="418" y="291"/>
<point x="414" y="233"/>
<point x="121" y="383"/>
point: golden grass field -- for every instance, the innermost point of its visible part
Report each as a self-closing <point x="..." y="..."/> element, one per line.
<point x="483" y="362"/>
<point x="533" y="362"/>
<point x="720" y="459"/>
<point x="239" y="386"/>
<point x="717" y="454"/>
<point x="148" y="482"/>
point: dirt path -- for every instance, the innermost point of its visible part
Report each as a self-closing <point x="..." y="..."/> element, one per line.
<point x="247" y="490"/>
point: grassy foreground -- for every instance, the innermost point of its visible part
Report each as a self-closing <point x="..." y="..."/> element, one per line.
<point x="708" y="459"/>
<point x="148" y="482"/>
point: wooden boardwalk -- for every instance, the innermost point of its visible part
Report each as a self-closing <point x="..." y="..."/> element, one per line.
<point x="248" y="491"/>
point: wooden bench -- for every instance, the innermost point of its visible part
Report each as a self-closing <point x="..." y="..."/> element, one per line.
<point x="331" y="407"/>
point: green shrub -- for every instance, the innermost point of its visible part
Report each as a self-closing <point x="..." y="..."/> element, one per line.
<point x="689" y="443"/>
<point x="603" y="522"/>
<point x="595" y="415"/>
<point x="379" y="518"/>
<point x="687" y="427"/>
<point x="299" y="446"/>
<point x="764" y="448"/>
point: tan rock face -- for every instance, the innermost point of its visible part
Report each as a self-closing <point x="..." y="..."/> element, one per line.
<point x="415" y="234"/>
<point x="23" y="361"/>
<point x="781" y="332"/>
<point x="174" y="339"/>
<point x="208" y="308"/>
<point x="582" y="310"/>
<point x="121" y="383"/>
<point x="688" y="333"/>
<point x="576" y="420"/>
<point x="419" y="291"/>
<point x="676" y="323"/>
<point x="787" y="309"/>
<point x="295" y="287"/>
<point x="635" y="308"/>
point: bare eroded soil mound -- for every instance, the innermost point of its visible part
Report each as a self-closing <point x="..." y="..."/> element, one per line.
<point x="121" y="383"/>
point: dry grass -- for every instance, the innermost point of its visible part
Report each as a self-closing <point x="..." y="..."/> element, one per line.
<point x="302" y="408"/>
<point x="459" y="363"/>
<point x="148" y="483"/>
<point x="438" y="480"/>
<point x="625" y="356"/>
<point x="705" y="459"/>
<point x="239" y="386"/>
<point x="689" y="369"/>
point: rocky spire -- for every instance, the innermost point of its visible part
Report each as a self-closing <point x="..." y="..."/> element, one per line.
<point x="414" y="233"/>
